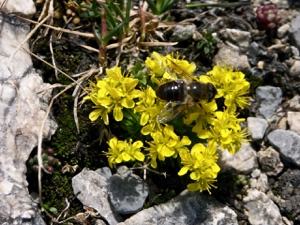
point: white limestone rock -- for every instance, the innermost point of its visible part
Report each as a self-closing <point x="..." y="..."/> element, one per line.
<point x="261" y="209"/>
<point x="25" y="7"/>
<point x="23" y="107"/>
<point x="188" y="208"/>
<point x="244" y="161"/>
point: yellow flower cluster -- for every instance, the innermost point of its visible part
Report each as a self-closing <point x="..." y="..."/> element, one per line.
<point x="148" y="107"/>
<point x="112" y="94"/>
<point x="231" y="85"/>
<point x="122" y="151"/>
<point x="201" y="161"/>
<point x="165" y="68"/>
<point x="214" y="125"/>
<point x="166" y="144"/>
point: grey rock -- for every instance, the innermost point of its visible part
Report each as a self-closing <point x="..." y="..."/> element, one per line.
<point x="270" y="162"/>
<point x="255" y="173"/>
<point x="244" y="161"/>
<point x="295" y="31"/>
<point x="293" y="120"/>
<point x="283" y="30"/>
<point x="182" y="33"/>
<point x="232" y="56"/>
<point x="288" y="144"/>
<point x="282" y="124"/>
<point x="279" y="49"/>
<point x="295" y="51"/>
<point x="260" y="183"/>
<point x="254" y="50"/>
<point x="261" y="209"/>
<point x="23" y="105"/>
<point x="127" y="192"/>
<point x="257" y="128"/>
<point x="239" y="38"/>
<point x="105" y="172"/>
<point x="91" y="189"/>
<point x="186" y="209"/>
<point x="100" y="222"/>
<point x="288" y="189"/>
<point x="268" y="98"/>
<point x="25" y="7"/>
<point x="280" y="3"/>
<point x="294" y="103"/>
<point x="295" y="69"/>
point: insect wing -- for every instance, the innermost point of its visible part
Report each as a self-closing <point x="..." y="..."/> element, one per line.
<point x="178" y="70"/>
<point x="171" y="111"/>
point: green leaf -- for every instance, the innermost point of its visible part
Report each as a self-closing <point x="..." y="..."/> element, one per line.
<point x="109" y="14"/>
<point x="53" y="210"/>
<point x="109" y="36"/>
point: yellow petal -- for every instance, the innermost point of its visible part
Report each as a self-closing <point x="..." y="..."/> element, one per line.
<point x="115" y="73"/>
<point x="195" y="175"/>
<point x="146" y="130"/>
<point x="113" y="142"/>
<point x="165" y="151"/>
<point x="139" y="156"/>
<point x="105" y="118"/>
<point x="153" y="163"/>
<point x="144" y="119"/>
<point x="94" y="115"/>
<point x="129" y="84"/>
<point x="126" y="157"/>
<point x="137" y="145"/>
<point x="114" y="93"/>
<point x="127" y="103"/>
<point x="183" y="171"/>
<point x="117" y="113"/>
<point x="193" y="186"/>
<point x="105" y="101"/>
<point x="185" y="140"/>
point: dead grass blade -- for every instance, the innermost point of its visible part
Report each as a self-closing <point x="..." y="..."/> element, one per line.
<point x="59" y="29"/>
<point x="26" y="39"/>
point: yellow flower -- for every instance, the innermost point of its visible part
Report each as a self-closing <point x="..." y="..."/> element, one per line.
<point x="134" y="150"/>
<point x="229" y="84"/>
<point x="112" y="94"/>
<point x="202" y="114"/>
<point x="201" y="161"/>
<point x="180" y="66"/>
<point x="165" y="68"/>
<point x="146" y="106"/>
<point x="225" y="131"/>
<point x="165" y="144"/>
<point x="122" y="151"/>
<point x="115" y="151"/>
<point x="156" y="65"/>
<point x="215" y="124"/>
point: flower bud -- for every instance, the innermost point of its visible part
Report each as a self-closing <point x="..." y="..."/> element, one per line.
<point x="50" y="151"/>
<point x="51" y="160"/>
<point x="267" y="16"/>
<point x="50" y="169"/>
<point x="35" y="168"/>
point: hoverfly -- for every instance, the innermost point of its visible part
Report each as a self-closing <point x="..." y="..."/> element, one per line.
<point x="182" y="93"/>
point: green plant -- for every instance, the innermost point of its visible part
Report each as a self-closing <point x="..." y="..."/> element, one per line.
<point x="49" y="161"/>
<point x="109" y="21"/>
<point x="267" y="16"/>
<point x="119" y="93"/>
<point x="207" y="44"/>
<point x="160" y="6"/>
<point x="115" y="25"/>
